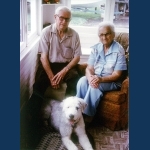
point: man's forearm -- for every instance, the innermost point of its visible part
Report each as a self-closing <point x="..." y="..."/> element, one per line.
<point x="47" y="68"/>
<point x="72" y="63"/>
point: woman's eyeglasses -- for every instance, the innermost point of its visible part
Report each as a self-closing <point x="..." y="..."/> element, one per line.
<point x="106" y="35"/>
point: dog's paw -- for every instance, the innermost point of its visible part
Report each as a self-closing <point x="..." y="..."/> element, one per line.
<point x="69" y="144"/>
<point x="72" y="147"/>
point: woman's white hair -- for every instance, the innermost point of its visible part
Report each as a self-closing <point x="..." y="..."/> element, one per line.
<point x="107" y="24"/>
<point x="62" y="8"/>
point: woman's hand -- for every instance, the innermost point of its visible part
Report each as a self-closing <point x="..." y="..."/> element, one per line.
<point x="94" y="81"/>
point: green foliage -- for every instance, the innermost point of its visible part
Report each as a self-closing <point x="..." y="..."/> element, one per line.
<point x="86" y="15"/>
<point x="83" y="17"/>
<point x="78" y="21"/>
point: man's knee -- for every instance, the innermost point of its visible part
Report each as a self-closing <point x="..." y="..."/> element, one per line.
<point x="41" y="85"/>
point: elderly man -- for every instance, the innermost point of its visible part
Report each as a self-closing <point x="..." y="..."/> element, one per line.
<point x="104" y="71"/>
<point x="60" y="52"/>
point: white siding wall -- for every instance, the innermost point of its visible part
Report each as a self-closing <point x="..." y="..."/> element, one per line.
<point x="28" y="66"/>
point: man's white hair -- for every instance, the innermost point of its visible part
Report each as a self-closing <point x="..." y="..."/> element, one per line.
<point x="62" y="8"/>
<point x="107" y="24"/>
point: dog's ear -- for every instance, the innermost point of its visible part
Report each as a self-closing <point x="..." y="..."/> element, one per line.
<point x="83" y="104"/>
<point x="62" y="104"/>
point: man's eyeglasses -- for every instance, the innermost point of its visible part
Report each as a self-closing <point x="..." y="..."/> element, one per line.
<point x="106" y="35"/>
<point x="62" y="18"/>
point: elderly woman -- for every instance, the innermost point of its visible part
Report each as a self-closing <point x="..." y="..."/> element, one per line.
<point x="103" y="73"/>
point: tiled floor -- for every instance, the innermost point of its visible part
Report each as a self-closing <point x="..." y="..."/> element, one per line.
<point x="104" y="139"/>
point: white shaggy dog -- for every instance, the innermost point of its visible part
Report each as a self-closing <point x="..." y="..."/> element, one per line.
<point x="66" y="117"/>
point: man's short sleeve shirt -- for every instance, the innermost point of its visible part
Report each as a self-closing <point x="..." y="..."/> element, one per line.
<point x="59" y="50"/>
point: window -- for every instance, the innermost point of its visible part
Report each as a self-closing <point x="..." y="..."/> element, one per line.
<point x="117" y="11"/>
<point x="22" y="23"/>
<point x="28" y="21"/>
<point x="90" y="13"/>
<point x="86" y="15"/>
<point x="31" y="17"/>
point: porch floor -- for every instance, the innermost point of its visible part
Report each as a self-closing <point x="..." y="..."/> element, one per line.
<point x="40" y="138"/>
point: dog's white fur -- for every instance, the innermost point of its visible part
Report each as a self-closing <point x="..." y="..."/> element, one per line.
<point x="66" y="117"/>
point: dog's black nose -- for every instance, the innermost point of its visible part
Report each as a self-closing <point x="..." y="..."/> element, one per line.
<point x="71" y="116"/>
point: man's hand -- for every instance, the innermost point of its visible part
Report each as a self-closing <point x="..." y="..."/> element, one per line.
<point x="59" y="77"/>
<point x="53" y="84"/>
